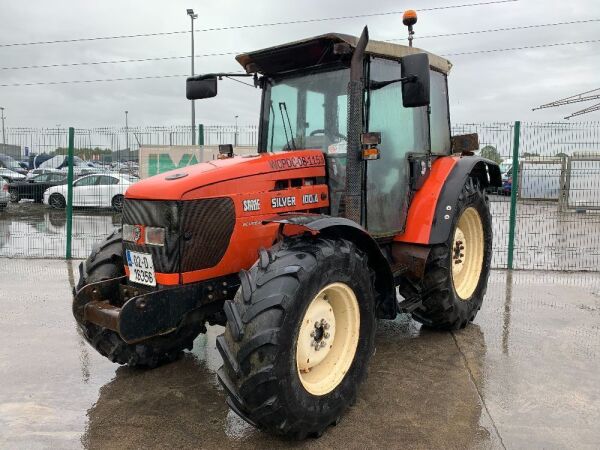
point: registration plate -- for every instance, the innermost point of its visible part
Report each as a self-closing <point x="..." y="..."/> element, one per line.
<point x="141" y="268"/>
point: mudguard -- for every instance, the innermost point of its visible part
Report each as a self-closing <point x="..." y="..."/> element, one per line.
<point x="340" y="227"/>
<point x="431" y="211"/>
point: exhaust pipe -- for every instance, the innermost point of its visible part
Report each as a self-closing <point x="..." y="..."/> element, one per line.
<point x="355" y="165"/>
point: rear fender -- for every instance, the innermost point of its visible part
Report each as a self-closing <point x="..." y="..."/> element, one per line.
<point x="339" y="227"/>
<point x="432" y="208"/>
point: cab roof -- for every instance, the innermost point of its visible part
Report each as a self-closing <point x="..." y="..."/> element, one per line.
<point x="317" y="50"/>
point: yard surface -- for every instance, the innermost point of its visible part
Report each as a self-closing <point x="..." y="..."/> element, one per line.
<point x="524" y="375"/>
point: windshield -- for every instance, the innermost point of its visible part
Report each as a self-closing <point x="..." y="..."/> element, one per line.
<point x="306" y="111"/>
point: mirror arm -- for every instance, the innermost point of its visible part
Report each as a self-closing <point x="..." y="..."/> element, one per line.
<point x="374" y="85"/>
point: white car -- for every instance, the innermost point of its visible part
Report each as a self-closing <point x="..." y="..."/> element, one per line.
<point x="91" y="190"/>
<point x="11" y="175"/>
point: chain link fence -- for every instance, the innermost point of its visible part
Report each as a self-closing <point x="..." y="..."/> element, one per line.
<point x="557" y="167"/>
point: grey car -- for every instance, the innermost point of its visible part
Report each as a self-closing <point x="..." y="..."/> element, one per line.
<point x="4" y="195"/>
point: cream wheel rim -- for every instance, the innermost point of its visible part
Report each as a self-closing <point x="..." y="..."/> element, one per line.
<point x="467" y="253"/>
<point x="328" y="338"/>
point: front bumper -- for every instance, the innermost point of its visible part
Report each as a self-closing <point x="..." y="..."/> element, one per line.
<point x="138" y="314"/>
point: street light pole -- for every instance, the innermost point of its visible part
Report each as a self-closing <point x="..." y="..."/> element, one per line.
<point x="235" y="140"/>
<point x="126" y="131"/>
<point x="3" y="135"/>
<point x="193" y="16"/>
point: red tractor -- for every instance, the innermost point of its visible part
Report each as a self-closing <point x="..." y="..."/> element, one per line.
<point x="357" y="192"/>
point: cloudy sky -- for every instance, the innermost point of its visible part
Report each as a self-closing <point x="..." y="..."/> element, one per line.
<point x="493" y="86"/>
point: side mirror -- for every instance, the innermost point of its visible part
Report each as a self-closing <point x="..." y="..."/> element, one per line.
<point x="203" y="86"/>
<point x="415" y="90"/>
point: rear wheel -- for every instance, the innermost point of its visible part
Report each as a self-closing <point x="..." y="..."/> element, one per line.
<point x="456" y="273"/>
<point x="57" y="201"/>
<point x="299" y="336"/>
<point x="106" y="262"/>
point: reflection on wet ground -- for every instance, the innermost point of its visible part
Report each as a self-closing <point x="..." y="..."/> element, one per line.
<point x="545" y="238"/>
<point x="523" y="375"/>
<point x="37" y="231"/>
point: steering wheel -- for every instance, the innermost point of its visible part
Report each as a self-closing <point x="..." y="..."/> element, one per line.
<point x="329" y="134"/>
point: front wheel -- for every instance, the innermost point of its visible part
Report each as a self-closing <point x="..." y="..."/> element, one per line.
<point x="57" y="201"/>
<point x="14" y="197"/>
<point x="299" y="336"/>
<point x="105" y="262"/>
<point x="457" y="271"/>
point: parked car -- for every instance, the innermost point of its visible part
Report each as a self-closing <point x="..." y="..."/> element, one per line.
<point x="34" y="188"/>
<point x="4" y="195"/>
<point x="10" y="175"/>
<point x="8" y="162"/>
<point x="91" y="190"/>
<point x="506" y="185"/>
<point x="32" y="173"/>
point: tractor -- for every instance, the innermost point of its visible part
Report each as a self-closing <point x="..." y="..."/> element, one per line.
<point x="358" y="206"/>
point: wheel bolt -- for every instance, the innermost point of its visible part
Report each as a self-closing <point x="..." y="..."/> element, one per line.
<point x="462" y="255"/>
<point x="326" y="335"/>
<point x="317" y="324"/>
<point x="326" y="326"/>
<point x="312" y="334"/>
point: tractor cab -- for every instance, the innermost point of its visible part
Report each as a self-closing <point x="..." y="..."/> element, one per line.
<point x="305" y="105"/>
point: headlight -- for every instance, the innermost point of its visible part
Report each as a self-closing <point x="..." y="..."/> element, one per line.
<point x="155" y="236"/>
<point x="131" y="233"/>
<point x="140" y="234"/>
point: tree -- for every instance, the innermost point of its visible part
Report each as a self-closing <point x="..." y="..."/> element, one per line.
<point x="561" y="155"/>
<point x="529" y="155"/>
<point x="490" y="152"/>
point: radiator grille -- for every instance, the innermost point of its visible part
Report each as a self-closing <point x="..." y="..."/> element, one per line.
<point x="197" y="231"/>
<point x="206" y="227"/>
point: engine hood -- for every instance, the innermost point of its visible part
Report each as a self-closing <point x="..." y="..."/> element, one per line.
<point x="173" y="185"/>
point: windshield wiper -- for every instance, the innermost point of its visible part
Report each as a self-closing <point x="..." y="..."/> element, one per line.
<point x="282" y="107"/>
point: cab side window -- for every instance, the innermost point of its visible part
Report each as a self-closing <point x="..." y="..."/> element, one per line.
<point x="440" y="120"/>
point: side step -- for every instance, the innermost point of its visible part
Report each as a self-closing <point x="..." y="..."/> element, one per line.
<point x="409" y="305"/>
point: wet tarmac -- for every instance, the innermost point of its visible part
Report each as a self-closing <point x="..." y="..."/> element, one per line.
<point x="524" y="375"/>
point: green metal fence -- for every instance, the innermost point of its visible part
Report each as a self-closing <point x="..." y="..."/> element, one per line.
<point x="546" y="215"/>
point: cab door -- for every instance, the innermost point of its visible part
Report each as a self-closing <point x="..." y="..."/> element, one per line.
<point x="403" y="132"/>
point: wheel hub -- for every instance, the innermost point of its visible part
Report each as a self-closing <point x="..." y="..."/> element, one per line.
<point x="316" y="334"/>
<point x="458" y="251"/>
<point x="320" y="334"/>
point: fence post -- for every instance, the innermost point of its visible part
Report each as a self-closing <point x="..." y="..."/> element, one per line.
<point x="70" y="192"/>
<point x="201" y="141"/>
<point x="513" y="194"/>
<point x="200" y="134"/>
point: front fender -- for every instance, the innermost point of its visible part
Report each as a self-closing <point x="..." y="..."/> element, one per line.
<point x="340" y="227"/>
